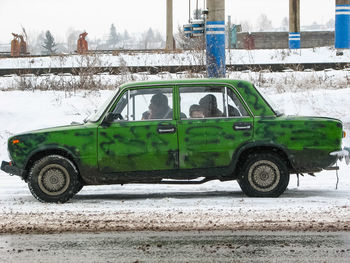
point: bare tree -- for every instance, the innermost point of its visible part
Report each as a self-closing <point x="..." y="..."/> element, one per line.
<point x="72" y="38"/>
<point x="285" y="24"/>
<point x="196" y="43"/>
<point x="264" y="23"/>
<point x="330" y="24"/>
<point x="246" y="26"/>
<point x="197" y="14"/>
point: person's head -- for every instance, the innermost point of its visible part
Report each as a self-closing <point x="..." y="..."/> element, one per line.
<point x="208" y="103"/>
<point x="159" y="103"/>
<point x="196" y="111"/>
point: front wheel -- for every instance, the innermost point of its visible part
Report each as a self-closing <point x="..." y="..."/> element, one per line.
<point x="264" y="175"/>
<point x="53" y="179"/>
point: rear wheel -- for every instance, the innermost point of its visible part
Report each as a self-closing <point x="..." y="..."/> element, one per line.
<point x="264" y="175"/>
<point x="53" y="179"/>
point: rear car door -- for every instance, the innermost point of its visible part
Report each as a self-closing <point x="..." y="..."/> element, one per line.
<point x="209" y="137"/>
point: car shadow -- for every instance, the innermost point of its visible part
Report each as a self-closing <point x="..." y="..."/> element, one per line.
<point x="296" y="193"/>
<point x="177" y="195"/>
<point x="290" y="193"/>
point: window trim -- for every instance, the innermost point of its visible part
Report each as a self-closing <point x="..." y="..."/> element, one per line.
<point x="128" y="91"/>
<point x="128" y="106"/>
<point x="225" y="85"/>
<point x="226" y="103"/>
<point x="175" y="86"/>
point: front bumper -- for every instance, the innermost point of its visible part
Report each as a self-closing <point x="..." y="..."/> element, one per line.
<point x="11" y="169"/>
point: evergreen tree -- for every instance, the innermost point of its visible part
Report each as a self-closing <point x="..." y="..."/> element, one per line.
<point x="49" y="43"/>
<point x="126" y="36"/>
<point x="113" y="38"/>
<point x="148" y="37"/>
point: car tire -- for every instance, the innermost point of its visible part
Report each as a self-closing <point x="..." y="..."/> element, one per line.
<point x="53" y="179"/>
<point x="264" y="175"/>
<point x="78" y="187"/>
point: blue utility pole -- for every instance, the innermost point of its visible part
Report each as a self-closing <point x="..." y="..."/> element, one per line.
<point x="342" y="24"/>
<point x="215" y="38"/>
<point x="294" y="24"/>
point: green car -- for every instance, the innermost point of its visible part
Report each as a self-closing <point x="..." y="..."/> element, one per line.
<point x="176" y="132"/>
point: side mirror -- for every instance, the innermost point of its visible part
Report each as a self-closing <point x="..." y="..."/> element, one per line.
<point x="110" y="117"/>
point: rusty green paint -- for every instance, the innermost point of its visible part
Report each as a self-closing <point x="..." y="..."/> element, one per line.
<point x="133" y="146"/>
<point x="210" y="143"/>
<point x="307" y="140"/>
<point x="117" y="152"/>
<point x="77" y="140"/>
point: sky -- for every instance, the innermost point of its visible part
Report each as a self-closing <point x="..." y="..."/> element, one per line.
<point x="136" y="16"/>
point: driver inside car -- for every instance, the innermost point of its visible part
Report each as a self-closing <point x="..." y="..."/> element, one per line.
<point x="158" y="108"/>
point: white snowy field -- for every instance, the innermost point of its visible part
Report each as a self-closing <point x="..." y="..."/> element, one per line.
<point x="184" y="58"/>
<point x="314" y="205"/>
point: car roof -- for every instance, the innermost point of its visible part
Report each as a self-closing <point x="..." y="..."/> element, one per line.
<point x="182" y="81"/>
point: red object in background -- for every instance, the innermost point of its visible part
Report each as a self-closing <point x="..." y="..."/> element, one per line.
<point x="82" y="45"/>
<point x="18" y="45"/>
<point x="15" y="47"/>
<point x="22" y="46"/>
<point x="249" y="42"/>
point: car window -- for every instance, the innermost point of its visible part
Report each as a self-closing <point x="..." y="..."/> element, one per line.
<point x="235" y="107"/>
<point x="210" y="102"/>
<point x="97" y="114"/>
<point x="202" y="102"/>
<point x="270" y="102"/>
<point x="146" y="104"/>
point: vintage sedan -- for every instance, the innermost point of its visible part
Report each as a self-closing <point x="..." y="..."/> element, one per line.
<point x="176" y="132"/>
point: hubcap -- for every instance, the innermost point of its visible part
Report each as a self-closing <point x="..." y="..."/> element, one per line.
<point x="264" y="175"/>
<point x="53" y="179"/>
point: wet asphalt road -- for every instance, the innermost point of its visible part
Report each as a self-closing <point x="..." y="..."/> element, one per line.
<point x="212" y="246"/>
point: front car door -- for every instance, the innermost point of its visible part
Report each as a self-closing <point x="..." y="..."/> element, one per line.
<point x="139" y="139"/>
<point x="218" y="123"/>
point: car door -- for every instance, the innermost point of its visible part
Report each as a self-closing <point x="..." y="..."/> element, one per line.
<point x="136" y="141"/>
<point x="218" y="122"/>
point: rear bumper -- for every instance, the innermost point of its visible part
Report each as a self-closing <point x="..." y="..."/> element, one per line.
<point x="344" y="153"/>
<point x="11" y="169"/>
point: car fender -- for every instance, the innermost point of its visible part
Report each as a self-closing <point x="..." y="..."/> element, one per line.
<point x="51" y="149"/>
<point x="259" y="146"/>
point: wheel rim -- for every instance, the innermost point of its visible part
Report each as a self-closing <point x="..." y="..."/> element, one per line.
<point x="264" y="175"/>
<point x="53" y="179"/>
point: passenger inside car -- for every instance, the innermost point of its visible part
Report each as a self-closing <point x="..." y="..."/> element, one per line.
<point x="196" y="111"/>
<point x="209" y="105"/>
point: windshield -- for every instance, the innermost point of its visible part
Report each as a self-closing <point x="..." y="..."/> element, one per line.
<point x="95" y="116"/>
<point x="272" y="104"/>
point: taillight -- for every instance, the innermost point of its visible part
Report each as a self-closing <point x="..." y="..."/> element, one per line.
<point x="344" y="134"/>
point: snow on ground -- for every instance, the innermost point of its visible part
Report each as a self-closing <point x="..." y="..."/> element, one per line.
<point x="131" y="59"/>
<point x="314" y="205"/>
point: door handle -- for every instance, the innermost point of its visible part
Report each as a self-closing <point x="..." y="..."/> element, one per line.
<point x="166" y="130"/>
<point x="240" y="126"/>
